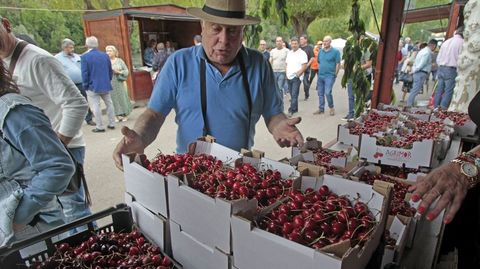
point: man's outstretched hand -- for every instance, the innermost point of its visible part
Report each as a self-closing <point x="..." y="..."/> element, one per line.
<point x="130" y="143"/>
<point x="284" y="130"/>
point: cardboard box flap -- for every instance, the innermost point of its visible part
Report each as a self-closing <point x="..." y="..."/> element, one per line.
<point x="286" y="170"/>
<point x="152" y="226"/>
<point x="396" y="228"/>
<point x="192" y="253"/>
<point x="339" y="249"/>
<point x="220" y="152"/>
<point x="258" y="154"/>
<point x="308" y="169"/>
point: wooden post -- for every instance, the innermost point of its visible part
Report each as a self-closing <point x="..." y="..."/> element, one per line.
<point x="454" y="19"/>
<point x="387" y="49"/>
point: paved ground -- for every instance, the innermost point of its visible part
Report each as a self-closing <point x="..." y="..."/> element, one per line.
<point x="106" y="182"/>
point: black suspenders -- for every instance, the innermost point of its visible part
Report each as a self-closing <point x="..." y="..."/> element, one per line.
<point x="203" y="94"/>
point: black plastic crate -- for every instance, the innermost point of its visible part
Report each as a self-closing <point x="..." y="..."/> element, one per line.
<point x="122" y="221"/>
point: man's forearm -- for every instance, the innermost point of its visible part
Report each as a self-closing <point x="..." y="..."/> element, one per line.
<point x="148" y="125"/>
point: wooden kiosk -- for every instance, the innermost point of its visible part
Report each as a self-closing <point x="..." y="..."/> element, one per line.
<point x="161" y="23"/>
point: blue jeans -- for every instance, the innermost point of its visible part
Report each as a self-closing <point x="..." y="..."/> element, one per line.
<point x="294" y="88"/>
<point x="280" y="78"/>
<point x="418" y="81"/>
<point x="74" y="205"/>
<point x="445" y="85"/>
<point x="306" y="83"/>
<point x="324" y="88"/>
<point x="351" y="99"/>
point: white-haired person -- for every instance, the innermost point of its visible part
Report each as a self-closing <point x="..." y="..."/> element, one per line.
<point x="41" y="77"/>
<point x="35" y="166"/>
<point x="97" y="76"/>
<point x="238" y="88"/>
<point x="120" y="99"/>
<point x="71" y="64"/>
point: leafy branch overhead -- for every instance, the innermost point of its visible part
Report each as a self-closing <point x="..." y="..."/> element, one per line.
<point x="358" y="46"/>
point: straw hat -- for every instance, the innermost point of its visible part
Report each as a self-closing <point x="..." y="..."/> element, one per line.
<point x="229" y="12"/>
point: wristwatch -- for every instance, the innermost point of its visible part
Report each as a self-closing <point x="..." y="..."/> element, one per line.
<point x="469" y="169"/>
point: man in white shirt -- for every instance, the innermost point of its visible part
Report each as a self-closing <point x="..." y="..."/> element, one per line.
<point x="296" y="64"/>
<point x="41" y="77"/>
<point x="447" y="68"/>
<point x="278" y="58"/>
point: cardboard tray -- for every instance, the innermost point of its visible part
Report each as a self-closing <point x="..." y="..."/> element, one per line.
<point x="208" y="219"/>
<point x="193" y="254"/>
<point x="121" y="221"/>
<point x="307" y="153"/>
<point x="255" y="248"/>
<point x="154" y="226"/>
<point x="398" y="227"/>
<point x="410" y="232"/>
<point x="468" y="129"/>
<point x="422" y="154"/>
<point x="146" y="187"/>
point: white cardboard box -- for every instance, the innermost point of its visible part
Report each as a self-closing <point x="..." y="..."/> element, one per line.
<point x="255" y="248"/>
<point x="398" y="230"/>
<point x="307" y="153"/>
<point x="424" y="117"/>
<point x="153" y="226"/>
<point x="344" y="136"/>
<point x="410" y="233"/>
<point x="205" y="218"/>
<point x="146" y="187"/>
<point x="422" y="154"/>
<point x="468" y="129"/>
<point x="193" y="254"/>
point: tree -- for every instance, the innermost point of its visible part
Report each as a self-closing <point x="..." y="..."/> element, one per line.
<point x="302" y="13"/>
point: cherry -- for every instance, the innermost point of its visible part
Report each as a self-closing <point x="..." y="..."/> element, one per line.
<point x="324" y="190"/>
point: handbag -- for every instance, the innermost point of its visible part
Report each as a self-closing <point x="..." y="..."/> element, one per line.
<point x="406" y="77"/>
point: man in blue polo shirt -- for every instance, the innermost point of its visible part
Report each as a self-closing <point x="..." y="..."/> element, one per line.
<point x="238" y="88"/>
<point x="71" y="65"/>
<point x="328" y="67"/>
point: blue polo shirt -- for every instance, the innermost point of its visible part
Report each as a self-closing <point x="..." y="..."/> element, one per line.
<point x="71" y="65"/>
<point x="178" y="88"/>
<point x="327" y="62"/>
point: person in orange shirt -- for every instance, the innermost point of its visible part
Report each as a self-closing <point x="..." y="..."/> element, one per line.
<point x="314" y="65"/>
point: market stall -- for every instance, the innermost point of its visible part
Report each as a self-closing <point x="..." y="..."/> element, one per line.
<point x="160" y="23"/>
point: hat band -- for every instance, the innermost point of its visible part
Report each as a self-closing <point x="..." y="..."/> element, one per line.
<point x="222" y="13"/>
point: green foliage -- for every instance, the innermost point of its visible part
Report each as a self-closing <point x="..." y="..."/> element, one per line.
<point x="421" y="31"/>
<point x="334" y="27"/>
<point x="356" y="46"/>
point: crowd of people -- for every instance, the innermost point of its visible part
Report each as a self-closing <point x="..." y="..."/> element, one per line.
<point x="299" y="64"/>
<point x="417" y="62"/>
<point x="44" y="100"/>
<point x="217" y="87"/>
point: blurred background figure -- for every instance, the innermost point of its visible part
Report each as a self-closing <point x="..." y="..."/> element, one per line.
<point x="149" y="52"/>
<point x="120" y="99"/>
